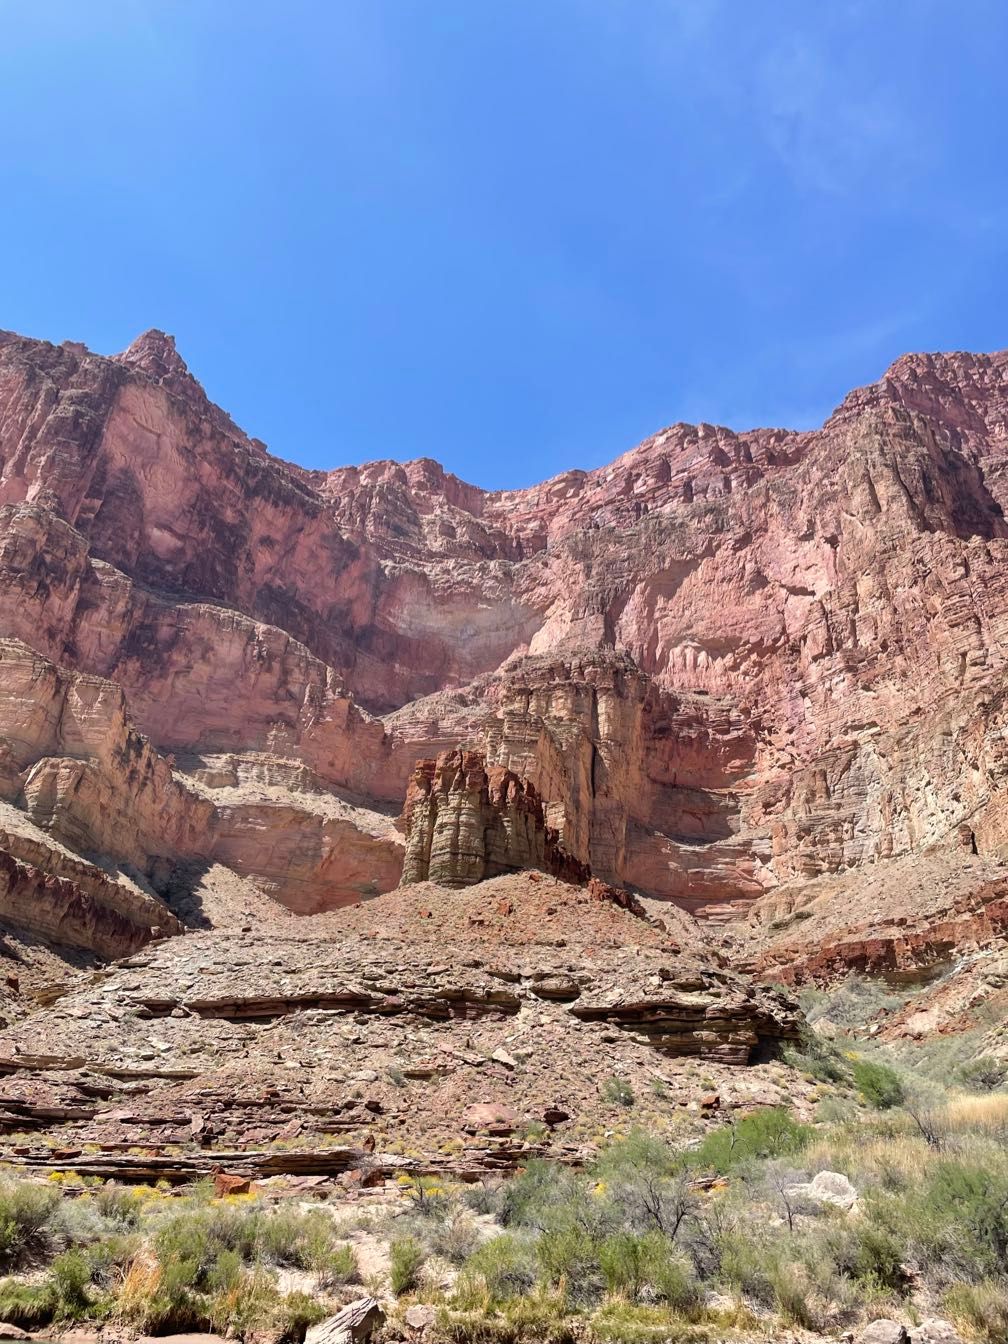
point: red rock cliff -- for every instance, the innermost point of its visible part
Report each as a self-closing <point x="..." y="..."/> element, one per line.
<point x="725" y="661"/>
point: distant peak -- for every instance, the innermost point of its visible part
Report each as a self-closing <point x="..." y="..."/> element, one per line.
<point x="155" y="354"/>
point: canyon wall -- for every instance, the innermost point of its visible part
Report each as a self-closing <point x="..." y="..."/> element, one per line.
<point x="725" y="662"/>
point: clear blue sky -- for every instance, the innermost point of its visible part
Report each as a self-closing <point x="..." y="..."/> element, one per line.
<point x="517" y="236"/>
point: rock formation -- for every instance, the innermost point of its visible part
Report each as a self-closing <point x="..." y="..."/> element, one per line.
<point x="465" y="823"/>
<point x="726" y="663"/>
<point x="384" y="1021"/>
<point x="760" y="677"/>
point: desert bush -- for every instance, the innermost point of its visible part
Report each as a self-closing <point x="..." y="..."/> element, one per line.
<point x="338" y="1265"/>
<point x="502" y="1268"/>
<point x="812" y="1054"/>
<point x="241" y="1300"/>
<point x="878" y="1084"/>
<point x="768" y="1133"/>
<point x="429" y="1195"/>
<point x="836" y="1111"/>
<point x="771" y="1272"/>
<point x="70" y="1284"/>
<point x="984" y="1074"/>
<point x="118" y="1204"/>
<point x="953" y="1221"/>
<point x="156" y="1298"/>
<point x="304" y="1241"/>
<point x="27" y="1305"/>
<point x="80" y="1222"/>
<point x="25" y="1213"/>
<point x="406" y="1258"/>
<point x="877" y="1258"/>
<point x="536" y="1318"/>
<point x="568" y="1258"/>
<point x="482" y="1198"/>
<point x="980" y="1309"/>
<point x="639" y="1152"/>
<point x="647" y="1184"/>
<point x="531" y="1198"/>
<point x="851" y="1004"/>
<point x="617" y="1092"/>
<point x="455" y="1238"/>
<point x="294" y="1313"/>
<point x="647" y="1265"/>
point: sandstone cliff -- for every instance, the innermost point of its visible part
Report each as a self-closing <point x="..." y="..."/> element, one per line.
<point x="726" y="662"/>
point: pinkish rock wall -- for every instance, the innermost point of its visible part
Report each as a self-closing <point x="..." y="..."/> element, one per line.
<point x="724" y="660"/>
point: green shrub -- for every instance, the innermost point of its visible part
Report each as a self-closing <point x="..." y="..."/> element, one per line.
<point x="305" y="1241"/>
<point x="632" y="1265"/>
<point x="767" y="1133"/>
<point x="337" y="1266"/>
<point x="953" y="1221"/>
<point x="621" y="1259"/>
<point x="406" y="1258"/>
<point x="70" y="1281"/>
<point x="25" y="1213"/>
<point x="866" y="1253"/>
<point x="618" y="1092"/>
<point x="454" y="1238"/>
<point x="482" y="1198"/>
<point x="771" y="1273"/>
<point x="640" y="1153"/>
<point x="247" y="1302"/>
<point x="184" y="1248"/>
<point x="294" y="1313"/>
<point x="119" y="1205"/>
<point x="789" y="1284"/>
<point x="159" y="1299"/>
<point x="819" y="1058"/>
<point x="28" y="1305"/>
<point x="878" y="1084"/>
<point x="502" y="1268"/>
<point x="532" y="1198"/>
<point x="568" y="1259"/>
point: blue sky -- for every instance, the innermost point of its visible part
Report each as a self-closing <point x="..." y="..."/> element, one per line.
<point x="518" y="236"/>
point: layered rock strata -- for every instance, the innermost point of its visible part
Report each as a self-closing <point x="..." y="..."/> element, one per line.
<point x="465" y="823"/>
<point x="380" y="1024"/>
<point x="726" y="662"/>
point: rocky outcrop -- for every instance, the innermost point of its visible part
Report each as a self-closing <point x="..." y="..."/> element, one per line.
<point x="384" y="1022"/>
<point x="75" y="904"/>
<point x="912" y="918"/>
<point x="78" y="770"/>
<point x="465" y="822"/>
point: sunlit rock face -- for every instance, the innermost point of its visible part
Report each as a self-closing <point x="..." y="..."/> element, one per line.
<point x="725" y="662"/>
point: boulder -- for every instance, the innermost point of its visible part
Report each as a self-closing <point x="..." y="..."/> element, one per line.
<point x="488" y="1115"/>
<point x="832" y="1187"/>
<point x="355" y="1324"/>
<point x="826" y="1187"/>
<point x="420" y="1317"/>
<point x="226" y="1183"/>
<point x="883" y="1332"/>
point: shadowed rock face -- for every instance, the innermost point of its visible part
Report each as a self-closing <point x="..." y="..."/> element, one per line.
<point x="725" y="662"/>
